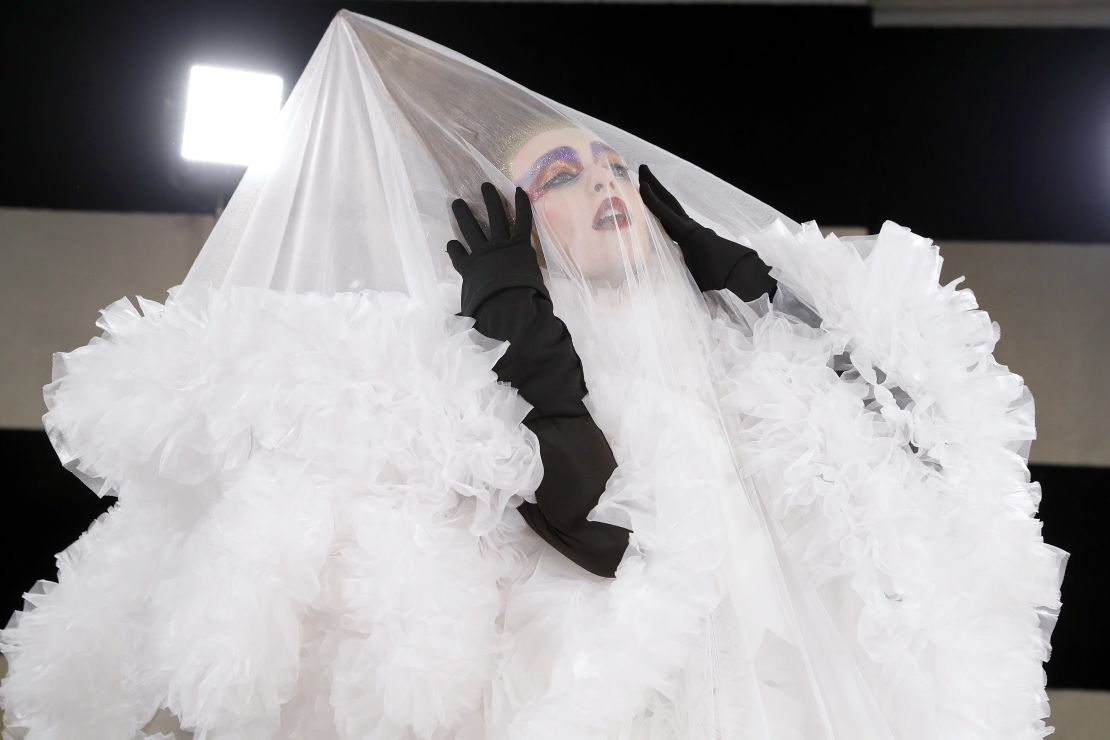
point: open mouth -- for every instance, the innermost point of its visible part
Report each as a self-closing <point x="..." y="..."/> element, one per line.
<point x="611" y="214"/>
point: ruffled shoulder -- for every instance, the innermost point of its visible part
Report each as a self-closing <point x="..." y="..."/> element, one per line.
<point x="191" y="389"/>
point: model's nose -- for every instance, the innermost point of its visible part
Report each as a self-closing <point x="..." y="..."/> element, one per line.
<point x="604" y="176"/>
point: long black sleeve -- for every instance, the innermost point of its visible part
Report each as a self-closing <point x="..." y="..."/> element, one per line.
<point x="543" y="366"/>
<point x="749" y="276"/>
<point x="541" y="362"/>
<point x="577" y="463"/>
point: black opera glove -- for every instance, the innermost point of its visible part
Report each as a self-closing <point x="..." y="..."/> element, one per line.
<point x="714" y="262"/>
<point x="503" y="291"/>
<point x="505" y="259"/>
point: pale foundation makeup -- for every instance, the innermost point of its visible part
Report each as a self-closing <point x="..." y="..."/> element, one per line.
<point x="583" y="194"/>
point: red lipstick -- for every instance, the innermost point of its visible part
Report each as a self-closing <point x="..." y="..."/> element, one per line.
<point x="611" y="214"/>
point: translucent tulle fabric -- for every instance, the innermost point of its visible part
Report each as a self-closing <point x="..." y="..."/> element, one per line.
<point x="317" y="470"/>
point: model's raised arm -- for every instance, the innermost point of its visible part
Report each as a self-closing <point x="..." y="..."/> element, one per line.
<point x="503" y="290"/>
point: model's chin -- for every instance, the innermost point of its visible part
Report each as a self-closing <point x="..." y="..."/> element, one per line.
<point x="614" y="270"/>
<point x="610" y="258"/>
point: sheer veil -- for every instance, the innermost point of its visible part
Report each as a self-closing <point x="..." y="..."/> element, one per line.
<point x="808" y="481"/>
<point x="382" y="132"/>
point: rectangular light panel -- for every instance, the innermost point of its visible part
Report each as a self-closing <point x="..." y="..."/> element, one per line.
<point x="229" y="114"/>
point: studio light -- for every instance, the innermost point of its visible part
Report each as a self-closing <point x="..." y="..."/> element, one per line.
<point x="230" y="115"/>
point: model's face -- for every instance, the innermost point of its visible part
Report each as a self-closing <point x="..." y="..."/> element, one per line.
<point x="583" y="193"/>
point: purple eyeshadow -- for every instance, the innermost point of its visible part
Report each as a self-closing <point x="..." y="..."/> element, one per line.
<point x="563" y="153"/>
<point x="566" y="153"/>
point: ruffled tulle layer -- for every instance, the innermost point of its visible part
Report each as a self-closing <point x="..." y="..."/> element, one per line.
<point x="311" y="509"/>
<point x="315" y="537"/>
<point x="867" y="410"/>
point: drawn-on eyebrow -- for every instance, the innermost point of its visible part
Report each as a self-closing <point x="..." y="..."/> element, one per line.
<point x="597" y="148"/>
<point x="562" y="152"/>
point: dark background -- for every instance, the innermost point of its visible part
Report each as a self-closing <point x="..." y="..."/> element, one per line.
<point x="977" y="134"/>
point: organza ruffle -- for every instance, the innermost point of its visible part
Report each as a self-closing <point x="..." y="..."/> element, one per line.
<point x="892" y="448"/>
<point x="313" y="537"/>
<point x="314" y="515"/>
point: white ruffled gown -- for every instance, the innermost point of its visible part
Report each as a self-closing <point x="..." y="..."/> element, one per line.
<point x="315" y="538"/>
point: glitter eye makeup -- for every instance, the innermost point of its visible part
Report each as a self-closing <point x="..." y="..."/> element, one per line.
<point x="562" y="165"/>
<point x="558" y="166"/>
<point x="615" y="162"/>
<point x="620" y="169"/>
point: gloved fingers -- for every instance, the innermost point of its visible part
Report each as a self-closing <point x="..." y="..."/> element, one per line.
<point x="523" y="225"/>
<point x="660" y="193"/>
<point x="651" y="200"/>
<point x="664" y="206"/>
<point x="653" y="203"/>
<point x="468" y="225"/>
<point x="495" y="207"/>
<point x="457" y="252"/>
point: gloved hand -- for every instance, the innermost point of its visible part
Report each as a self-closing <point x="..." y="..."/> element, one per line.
<point x="505" y="259"/>
<point x="714" y="262"/>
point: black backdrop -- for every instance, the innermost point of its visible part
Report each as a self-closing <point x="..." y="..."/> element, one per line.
<point x="955" y="133"/>
<point x="958" y="134"/>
